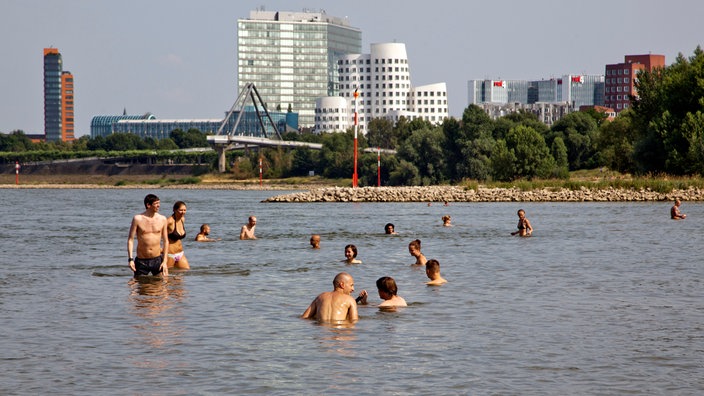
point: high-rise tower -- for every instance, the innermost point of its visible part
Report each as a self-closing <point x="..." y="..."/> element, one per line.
<point x="291" y="57"/>
<point x="58" y="98"/>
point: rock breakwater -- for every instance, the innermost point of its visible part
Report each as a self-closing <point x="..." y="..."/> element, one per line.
<point x="461" y="194"/>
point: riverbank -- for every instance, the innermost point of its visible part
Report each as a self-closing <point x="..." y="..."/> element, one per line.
<point x="316" y="189"/>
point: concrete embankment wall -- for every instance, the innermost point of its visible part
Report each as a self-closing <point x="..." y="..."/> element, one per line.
<point x="102" y="167"/>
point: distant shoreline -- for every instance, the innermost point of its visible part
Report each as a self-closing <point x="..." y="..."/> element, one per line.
<point x="429" y="194"/>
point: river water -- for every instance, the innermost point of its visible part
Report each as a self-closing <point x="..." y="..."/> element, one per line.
<point x="605" y="298"/>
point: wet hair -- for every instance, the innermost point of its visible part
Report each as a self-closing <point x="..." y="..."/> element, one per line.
<point x="354" y="250"/>
<point x="178" y="204"/>
<point x="432" y="266"/>
<point x="415" y="244"/>
<point x="521" y="210"/>
<point x="202" y="227"/>
<point x="386" y="227"/>
<point x="387" y="284"/>
<point x="446" y="218"/>
<point x="150" y="199"/>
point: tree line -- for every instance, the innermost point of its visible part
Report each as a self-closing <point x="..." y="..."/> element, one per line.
<point x="661" y="133"/>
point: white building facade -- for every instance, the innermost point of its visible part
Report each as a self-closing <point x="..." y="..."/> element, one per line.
<point x="382" y="80"/>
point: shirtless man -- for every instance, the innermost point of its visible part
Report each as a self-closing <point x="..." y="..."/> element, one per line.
<point x="203" y="234"/>
<point x="247" y="231"/>
<point x="675" y="211"/>
<point x="432" y="271"/>
<point x="337" y="305"/>
<point x="152" y="240"/>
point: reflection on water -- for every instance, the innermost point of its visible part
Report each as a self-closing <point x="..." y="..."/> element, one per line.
<point x="157" y="302"/>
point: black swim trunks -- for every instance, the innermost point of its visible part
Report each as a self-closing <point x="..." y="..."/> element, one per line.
<point x="143" y="266"/>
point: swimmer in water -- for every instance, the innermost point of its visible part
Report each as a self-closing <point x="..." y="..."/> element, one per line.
<point x="337" y="305"/>
<point x="414" y="250"/>
<point x="524" y="227"/>
<point x="315" y="241"/>
<point x="351" y="255"/>
<point x="388" y="291"/>
<point x="176" y="228"/>
<point x="432" y="270"/>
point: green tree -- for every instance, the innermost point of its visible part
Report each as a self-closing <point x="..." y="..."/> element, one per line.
<point x="424" y="150"/>
<point x="533" y="157"/>
<point x="615" y="143"/>
<point x="578" y="132"/>
<point x="502" y="162"/>
<point x="380" y="133"/>
<point x="16" y="141"/>
<point x="670" y="101"/>
<point x="405" y="174"/>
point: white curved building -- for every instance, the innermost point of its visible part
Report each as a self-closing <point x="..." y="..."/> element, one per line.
<point x="383" y="80"/>
<point x="331" y="114"/>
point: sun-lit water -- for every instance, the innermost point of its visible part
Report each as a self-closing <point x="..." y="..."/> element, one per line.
<point x="605" y="298"/>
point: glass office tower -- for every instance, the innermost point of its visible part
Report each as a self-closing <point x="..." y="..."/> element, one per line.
<point x="52" y="94"/>
<point x="291" y="57"/>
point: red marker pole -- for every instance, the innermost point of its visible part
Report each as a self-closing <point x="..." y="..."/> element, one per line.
<point x="378" y="166"/>
<point x="260" y="172"/>
<point x="17" y="172"/>
<point x="354" y="175"/>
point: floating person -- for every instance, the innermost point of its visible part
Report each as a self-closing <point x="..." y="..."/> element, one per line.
<point x="150" y="229"/>
<point x="351" y="255"/>
<point x="315" y="241"/>
<point x="446" y="221"/>
<point x="414" y="250"/>
<point x="337" y="305"/>
<point x="176" y="228"/>
<point x="388" y="291"/>
<point x="524" y="227"/>
<point x="203" y="234"/>
<point x="675" y="211"/>
<point x="432" y="270"/>
<point x="247" y="231"/>
<point x="389" y="229"/>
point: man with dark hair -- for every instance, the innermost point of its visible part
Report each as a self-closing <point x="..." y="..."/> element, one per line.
<point x="152" y="240"/>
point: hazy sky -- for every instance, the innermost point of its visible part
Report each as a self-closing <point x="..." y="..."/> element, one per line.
<point x="177" y="58"/>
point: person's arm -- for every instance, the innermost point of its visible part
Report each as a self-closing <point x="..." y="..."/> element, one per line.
<point x="311" y="311"/>
<point x="529" y="228"/>
<point x="352" y="314"/>
<point x="243" y="232"/>
<point x="164" y="260"/>
<point x="130" y="244"/>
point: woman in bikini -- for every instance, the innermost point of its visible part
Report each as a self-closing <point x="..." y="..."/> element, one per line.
<point x="524" y="227"/>
<point x="176" y="227"/>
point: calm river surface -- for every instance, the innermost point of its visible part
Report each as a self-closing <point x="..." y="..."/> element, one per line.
<point x="605" y="298"/>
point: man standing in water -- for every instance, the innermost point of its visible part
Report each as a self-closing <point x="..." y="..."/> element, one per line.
<point x="150" y="229"/>
<point x="337" y="305"/>
<point x="247" y="231"/>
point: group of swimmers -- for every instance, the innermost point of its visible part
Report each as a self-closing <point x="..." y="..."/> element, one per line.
<point x="338" y="305"/>
<point x="157" y="234"/>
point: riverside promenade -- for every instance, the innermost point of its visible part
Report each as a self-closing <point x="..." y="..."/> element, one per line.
<point x="461" y="194"/>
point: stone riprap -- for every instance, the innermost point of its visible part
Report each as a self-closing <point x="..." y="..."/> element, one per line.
<point x="460" y="194"/>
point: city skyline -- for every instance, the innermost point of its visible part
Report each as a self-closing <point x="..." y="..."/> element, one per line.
<point x="177" y="59"/>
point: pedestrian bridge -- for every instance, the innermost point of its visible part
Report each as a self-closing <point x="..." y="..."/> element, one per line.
<point x="226" y="137"/>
